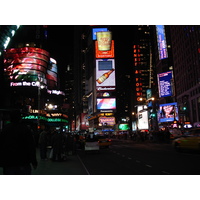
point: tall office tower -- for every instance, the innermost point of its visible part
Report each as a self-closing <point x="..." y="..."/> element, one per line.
<point x="142" y="58"/>
<point x="186" y="55"/>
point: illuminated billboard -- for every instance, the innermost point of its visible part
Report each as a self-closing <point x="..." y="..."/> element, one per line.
<point x="95" y="30"/>
<point x="142" y="117"/>
<point x="165" y="84"/>
<point x="84" y="121"/>
<point x="106" y="103"/>
<point x="110" y="121"/>
<point x="104" y="39"/>
<point x="104" y="54"/>
<point x="168" y="112"/>
<point x="105" y="74"/>
<point x="124" y="127"/>
<point x="162" y="45"/>
<point x="26" y="64"/>
<point x="52" y="77"/>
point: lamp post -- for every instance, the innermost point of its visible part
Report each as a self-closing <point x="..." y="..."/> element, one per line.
<point x="38" y="84"/>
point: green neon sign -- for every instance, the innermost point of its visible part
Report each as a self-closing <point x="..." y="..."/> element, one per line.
<point x="35" y="117"/>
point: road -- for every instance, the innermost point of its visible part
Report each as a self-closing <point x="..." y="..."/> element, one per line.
<point x="129" y="158"/>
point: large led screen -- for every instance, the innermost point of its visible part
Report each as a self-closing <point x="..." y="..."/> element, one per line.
<point x="104" y="54"/>
<point x="168" y="112"/>
<point x="52" y="74"/>
<point x="26" y="64"/>
<point x="162" y="45"/>
<point x="165" y="84"/>
<point x="106" y="103"/>
<point x="105" y="74"/>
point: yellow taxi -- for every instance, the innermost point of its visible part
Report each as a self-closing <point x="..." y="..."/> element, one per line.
<point x="190" y="140"/>
<point x="104" y="141"/>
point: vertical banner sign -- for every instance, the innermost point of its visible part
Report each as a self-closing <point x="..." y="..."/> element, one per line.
<point x="104" y="40"/>
<point x="142" y="118"/>
<point x="165" y="84"/>
<point x="162" y="45"/>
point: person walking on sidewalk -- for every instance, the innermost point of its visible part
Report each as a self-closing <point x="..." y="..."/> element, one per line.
<point x="57" y="145"/>
<point x="43" y="144"/>
<point x="17" y="147"/>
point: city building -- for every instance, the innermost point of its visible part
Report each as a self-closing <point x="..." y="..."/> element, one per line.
<point x="31" y="79"/>
<point x="186" y="56"/>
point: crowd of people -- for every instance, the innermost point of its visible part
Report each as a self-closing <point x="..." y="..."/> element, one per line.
<point x="55" y="145"/>
<point x="18" y="144"/>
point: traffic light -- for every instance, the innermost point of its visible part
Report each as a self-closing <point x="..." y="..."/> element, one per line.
<point x="153" y="114"/>
<point x="184" y="108"/>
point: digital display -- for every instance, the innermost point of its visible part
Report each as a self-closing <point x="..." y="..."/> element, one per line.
<point x="95" y="30"/>
<point x="164" y="84"/>
<point x="162" y="45"/>
<point x="52" y="74"/>
<point x="124" y="127"/>
<point x="106" y="103"/>
<point x="168" y="112"/>
<point x="110" y="121"/>
<point x="142" y="118"/>
<point x="105" y="74"/>
<point x="104" y="54"/>
<point x="26" y="64"/>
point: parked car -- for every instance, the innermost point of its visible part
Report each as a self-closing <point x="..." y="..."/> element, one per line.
<point x="190" y="140"/>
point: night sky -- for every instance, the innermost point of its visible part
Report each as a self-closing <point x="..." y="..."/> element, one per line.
<point x="60" y="44"/>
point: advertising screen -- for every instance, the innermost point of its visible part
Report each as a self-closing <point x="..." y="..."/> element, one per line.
<point x="26" y="64"/>
<point x="52" y="74"/>
<point x="164" y="84"/>
<point x="142" y="118"/>
<point x="105" y="74"/>
<point x="95" y="30"/>
<point x="84" y="122"/>
<point x="162" y="45"/>
<point x="124" y="127"/>
<point x="104" y="54"/>
<point x="106" y="103"/>
<point x="168" y="112"/>
<point x="110" y="121"/>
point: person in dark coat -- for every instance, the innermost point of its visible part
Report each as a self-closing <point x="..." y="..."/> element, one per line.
<point x="57" y="145"/>
<point x="17" y="147"/>
<point x="43" y="144"/>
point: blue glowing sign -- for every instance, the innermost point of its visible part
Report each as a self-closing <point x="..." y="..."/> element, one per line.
<point x="165" y="84"/>
<point x="95" y="30"/>
<point x="168" y="112"/>
<point x="162" y="45"/>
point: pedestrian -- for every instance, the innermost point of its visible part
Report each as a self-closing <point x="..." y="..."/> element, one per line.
<point x="43" y="144"/>
<point x="57" y="145"/>
<point x="17" y="147"/>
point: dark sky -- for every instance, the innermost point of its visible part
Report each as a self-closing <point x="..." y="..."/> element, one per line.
<point x="60" y="41"/>
<point x="60" y="44"/>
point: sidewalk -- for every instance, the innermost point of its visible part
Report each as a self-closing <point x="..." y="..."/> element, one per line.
<point x="72" y="166"/>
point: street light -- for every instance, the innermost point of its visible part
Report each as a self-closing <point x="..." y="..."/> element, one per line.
<point x="38" y="84"/>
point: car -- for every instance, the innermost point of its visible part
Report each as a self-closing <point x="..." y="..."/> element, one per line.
<point x="190" y="140"/>
<point x="175" y="133"/>
<point x="103" y="141"/>
<point x="91" y="144"/>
